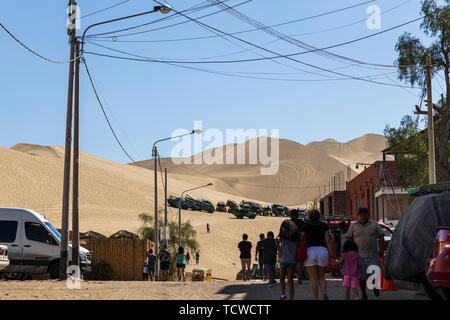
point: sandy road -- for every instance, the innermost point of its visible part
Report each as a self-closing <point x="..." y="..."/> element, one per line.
<point x="139" y="290"/>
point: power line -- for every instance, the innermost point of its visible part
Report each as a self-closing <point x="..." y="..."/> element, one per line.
<point x="277" y="56"/>
<point x="34" y="52"/>
<point x="225" y="73"/>
<point x="103" y="110"/>
<point x="256" y="29"/>
<point x="105" y="9"/>
<point x="179" y="64"/>
<point x="195" y="8"/>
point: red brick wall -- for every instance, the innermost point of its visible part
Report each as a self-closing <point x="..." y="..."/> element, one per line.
<point x="364" y="182"/>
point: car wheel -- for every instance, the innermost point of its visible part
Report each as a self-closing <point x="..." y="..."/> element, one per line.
<point x="431" y="293"/>
<point x="54" y="271"/>
<point x="13" y="275"/>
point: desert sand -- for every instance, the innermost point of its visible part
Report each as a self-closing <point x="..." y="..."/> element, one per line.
<point x="112" y="195"/>
<point x="140" y="290"/>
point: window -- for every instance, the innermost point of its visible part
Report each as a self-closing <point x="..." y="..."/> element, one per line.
<point x="8" y="231"/>
<point x="36" y="232"/>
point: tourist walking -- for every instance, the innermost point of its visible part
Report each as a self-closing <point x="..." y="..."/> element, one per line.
<point x="318" y="242"/>
<point x="151" y="261"/>
<point x="164" y="263"/>
<point x="270" y="257"/>
<point x="300" y="225"/>
<point x="245" y="248"/>
<point x="369" y="238"/>
<point x="351" y="268"/>
<point x="208" y="230"/>
<point x="197" y="258"/>
<point x="188" y="257"/>
<point x="259" y="256"/>
<point x="287" y="241"/>
<point x="181" y="264"/>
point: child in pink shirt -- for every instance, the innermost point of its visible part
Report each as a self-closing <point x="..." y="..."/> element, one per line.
<point x="351" y="269"/>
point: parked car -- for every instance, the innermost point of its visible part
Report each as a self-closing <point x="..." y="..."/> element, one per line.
<point x="207" y="206"/>
<point x="256" y="208"/>
<point x="221" y="207"/>
<point x="173" y="201"/>
<point x="33" y="244"/>
<point x="193" y="203"/>
<point x="438" y="266"/>
<point x="4" y="261"/>
<point x="279" y="210"/>
<point x="232" y="205"/>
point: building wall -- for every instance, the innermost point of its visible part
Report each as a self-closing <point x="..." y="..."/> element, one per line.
<point x="334" y="203"/>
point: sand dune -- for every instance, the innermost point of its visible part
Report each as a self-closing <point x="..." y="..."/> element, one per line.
<point x="301" y="170"/>
<point x="365" y="149"/>
<point x="112" y="195"/>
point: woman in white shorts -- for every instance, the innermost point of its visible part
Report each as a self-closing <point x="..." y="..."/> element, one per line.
<point x="319" y="249"/>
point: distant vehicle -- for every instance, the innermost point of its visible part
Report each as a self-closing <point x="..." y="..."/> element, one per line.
<point x="221" y="207"/>
<point x="173" y="201"/>
<point x="193" y="203"/>
<point x="437" y="268"/>
<point x="267" y="211"/>
<point x="244" y="210"/>
<point x="33" y="244"/>
<point x="232" y="205"/>
<point x="279" y="210"/>
<point x="256" y="208"/>
<point x="207" y="206"/>
<point x="4" y="261"/>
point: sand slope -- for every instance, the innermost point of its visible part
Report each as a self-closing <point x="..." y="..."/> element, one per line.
<point x="301" y="170"/>
<point x="112" y="195"/>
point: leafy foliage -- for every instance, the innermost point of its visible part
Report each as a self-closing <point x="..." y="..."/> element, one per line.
<point x="410" y="147"/>
<point x="412" y="53"/>
<point x="100" y="271"/>
<point x="188" y="235"/>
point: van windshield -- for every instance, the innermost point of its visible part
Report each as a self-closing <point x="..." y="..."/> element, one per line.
<point x="55" y="232"/>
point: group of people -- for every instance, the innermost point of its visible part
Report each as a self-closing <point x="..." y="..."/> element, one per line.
<point x="180" y="259"/>
<point x="308" y="244"/>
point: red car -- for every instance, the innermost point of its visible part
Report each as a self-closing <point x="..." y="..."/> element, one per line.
<point x="335" y="269"/>
<point x="437" y="267"/>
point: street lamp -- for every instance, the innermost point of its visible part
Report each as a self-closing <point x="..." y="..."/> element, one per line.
<point x="162" y="8"/>
<point x="179" y="209"/>
<point x="73" y="96"/>
<point x="155" y="159"/>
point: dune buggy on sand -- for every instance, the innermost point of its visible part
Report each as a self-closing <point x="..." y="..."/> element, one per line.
<point x="232" y="205"/>
<point x="207" y="206"/>
<point x="174" y="201"/>
<point x="221" y="207"/>
<point x="193" y="203"/>
<point x="279" y="211"/>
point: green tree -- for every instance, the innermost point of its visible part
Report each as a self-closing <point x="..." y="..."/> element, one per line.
<point x="435" y="24"/>
<point x="188" y="235"/>
<point x="410" y="148"/>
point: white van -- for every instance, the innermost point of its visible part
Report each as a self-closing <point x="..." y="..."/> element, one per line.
<point x="33" y="244"/>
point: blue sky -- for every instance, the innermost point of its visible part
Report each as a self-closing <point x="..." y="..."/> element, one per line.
<point x="147" y="101"/>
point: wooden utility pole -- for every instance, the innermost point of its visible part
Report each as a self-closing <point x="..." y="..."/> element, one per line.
<point x="76" y="153"/>
<point x="64" y="253"/>
<point x="431" y="150"/>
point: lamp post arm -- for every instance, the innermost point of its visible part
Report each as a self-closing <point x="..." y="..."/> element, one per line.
<point x="165" y="139"/>
<point x="155" y="9"/>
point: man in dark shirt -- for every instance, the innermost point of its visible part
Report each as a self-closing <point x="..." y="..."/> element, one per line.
<point x="259" y="257"/>
<point x="300" y="225"/>
<point x="151" y="263"/>
<point x="270" y="256"/>
<point x="245" y="248"/>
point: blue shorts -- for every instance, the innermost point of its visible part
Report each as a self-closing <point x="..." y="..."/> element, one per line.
<point x="366" y="262"/>
<point x="288" y="265"/>
<point x="269" y="267"/>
